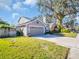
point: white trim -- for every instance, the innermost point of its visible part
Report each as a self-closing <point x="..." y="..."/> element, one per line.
<point x="44" y="29"/>
<point x="35" y="26"/>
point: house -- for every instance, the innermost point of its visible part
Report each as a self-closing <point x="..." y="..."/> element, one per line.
<point x="36" y="26"/>
<point x="31" y="27"/>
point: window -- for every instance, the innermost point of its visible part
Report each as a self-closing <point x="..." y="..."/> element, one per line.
<point x="37" y="22"/>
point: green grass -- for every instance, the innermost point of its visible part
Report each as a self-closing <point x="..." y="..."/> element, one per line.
<point x="71" y="34"/>
<point x="30" y="48"/>
<point x="68" y="34"/>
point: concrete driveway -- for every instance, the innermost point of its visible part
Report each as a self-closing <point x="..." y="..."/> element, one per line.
<point x="72" y="43"/>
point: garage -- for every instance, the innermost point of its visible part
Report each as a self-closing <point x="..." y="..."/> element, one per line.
<point x="36" y="31"/>
<point x="33" y="28"/>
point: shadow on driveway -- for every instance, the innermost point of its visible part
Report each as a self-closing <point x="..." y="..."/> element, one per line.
<point x="47" y="36"/>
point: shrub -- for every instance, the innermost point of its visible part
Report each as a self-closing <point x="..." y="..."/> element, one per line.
<point x="49" y="32"/>
<point x="19" y="33"/>
<point x="65" y="30"/>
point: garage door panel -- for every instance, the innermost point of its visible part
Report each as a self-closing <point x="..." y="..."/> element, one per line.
<point x="36" y="30"/>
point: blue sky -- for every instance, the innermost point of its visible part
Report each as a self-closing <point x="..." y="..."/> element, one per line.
<point x="11" y="10"/>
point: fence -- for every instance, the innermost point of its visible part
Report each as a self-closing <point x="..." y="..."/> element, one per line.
<point x="7" y="32"/>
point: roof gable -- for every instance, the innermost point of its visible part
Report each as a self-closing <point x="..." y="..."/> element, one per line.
<point x="23" y="20"/>
<point x="36" y="22"/>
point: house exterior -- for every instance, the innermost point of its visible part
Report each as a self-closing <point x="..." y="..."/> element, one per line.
<point x="31" y="27"/>
<point x="34" y="28"/>
<point x="37" y="26"/>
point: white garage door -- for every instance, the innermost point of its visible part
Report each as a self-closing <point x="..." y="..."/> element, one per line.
<point x="36" y="30"/>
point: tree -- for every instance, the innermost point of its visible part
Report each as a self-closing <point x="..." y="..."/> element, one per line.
<point x="58" y="8"/>
<point x="4" y="24"/>
<point x="70" y="24"/>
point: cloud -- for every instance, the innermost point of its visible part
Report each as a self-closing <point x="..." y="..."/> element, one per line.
<point x="6" y="5"/>
<point x="7" y="8"/>
<point x="14" y="15"/>
<point x="6" y="2"/>
<point x="30" y="2"/>
<point x="17" y="5"/>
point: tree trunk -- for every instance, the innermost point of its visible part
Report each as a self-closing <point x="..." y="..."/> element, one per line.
<point x="60" y="18"/>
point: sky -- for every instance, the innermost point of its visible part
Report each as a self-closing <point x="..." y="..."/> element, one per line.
<point x="12" y="10"/>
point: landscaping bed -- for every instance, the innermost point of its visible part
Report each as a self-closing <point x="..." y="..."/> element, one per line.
<point x="30" y="48"/>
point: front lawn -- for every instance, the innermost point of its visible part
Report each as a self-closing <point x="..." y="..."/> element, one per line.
<point x="64" y="34"/>
<point x="30" y="48"/>
<point x="71" y="34"/>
